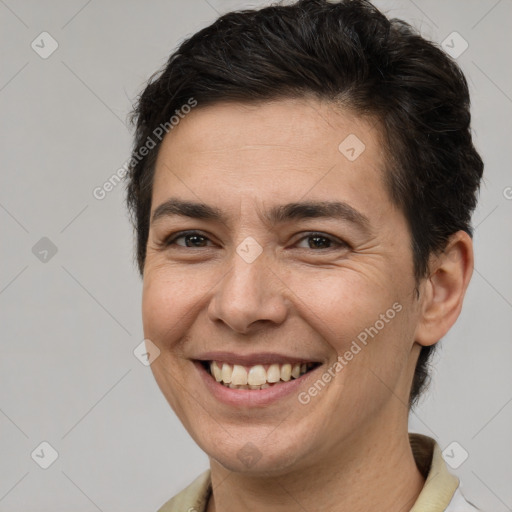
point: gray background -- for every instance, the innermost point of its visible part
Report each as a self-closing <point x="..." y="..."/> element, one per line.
<point x="70" y="323"/>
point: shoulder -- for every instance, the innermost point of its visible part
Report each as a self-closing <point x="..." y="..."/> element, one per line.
<point x="194" y="498"/>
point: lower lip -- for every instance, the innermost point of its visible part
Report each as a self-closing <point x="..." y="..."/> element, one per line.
<point x="252" y="397"/>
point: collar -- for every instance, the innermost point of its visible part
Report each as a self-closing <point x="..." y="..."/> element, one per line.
<point x="440" y="485"/>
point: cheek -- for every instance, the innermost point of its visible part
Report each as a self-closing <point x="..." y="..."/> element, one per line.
<point x="166" y="300"/>
<point x="166" y="303"/>
<point x="343" y="303"/>
<point x="363" y="322"/>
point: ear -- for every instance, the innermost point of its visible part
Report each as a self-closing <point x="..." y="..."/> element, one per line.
<point x="442" y="293"/>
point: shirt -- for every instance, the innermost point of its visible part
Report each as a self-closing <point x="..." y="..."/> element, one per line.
<point x="441" y="491"/>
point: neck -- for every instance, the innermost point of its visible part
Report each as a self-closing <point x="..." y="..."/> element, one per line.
<point x="367" y="473"/>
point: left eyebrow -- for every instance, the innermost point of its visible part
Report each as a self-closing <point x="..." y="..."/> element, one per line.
<point x="318" y="209"/>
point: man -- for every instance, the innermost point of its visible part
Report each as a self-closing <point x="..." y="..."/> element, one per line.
<point x="301" y="185"/>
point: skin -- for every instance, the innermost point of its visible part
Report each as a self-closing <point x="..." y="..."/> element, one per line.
<point x="348" y="448"/>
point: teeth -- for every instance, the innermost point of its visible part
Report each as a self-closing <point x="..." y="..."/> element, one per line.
<point x="256" y="377"/>
<point x="227" y="371"/>
<point x="239" y="375"/>
<point x="286" y="372"/>
<point x="216" y="371"/>
<point x="274" y="373"/>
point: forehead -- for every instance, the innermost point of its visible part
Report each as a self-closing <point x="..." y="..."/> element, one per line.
<point x="305" y="125"/>
<point x="288" y="149"/>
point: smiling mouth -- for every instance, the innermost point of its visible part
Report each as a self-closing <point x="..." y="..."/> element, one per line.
<point x="256" y="377"/>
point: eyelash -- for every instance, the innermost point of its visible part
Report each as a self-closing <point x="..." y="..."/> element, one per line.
<point x="171" y="239"/>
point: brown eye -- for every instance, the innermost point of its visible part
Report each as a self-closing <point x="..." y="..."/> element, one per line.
<point x="321" y="241"/>
<point x="191" y="239"/>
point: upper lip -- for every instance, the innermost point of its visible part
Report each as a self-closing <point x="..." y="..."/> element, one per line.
<point x="253" y="359"/>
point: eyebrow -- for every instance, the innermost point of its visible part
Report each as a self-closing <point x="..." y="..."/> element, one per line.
<point x="276" y="215"/>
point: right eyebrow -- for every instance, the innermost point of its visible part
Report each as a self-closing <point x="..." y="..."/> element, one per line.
<point x="191" y="209"/>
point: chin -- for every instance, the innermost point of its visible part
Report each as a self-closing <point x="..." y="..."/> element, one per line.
<point x="257" y="455"/>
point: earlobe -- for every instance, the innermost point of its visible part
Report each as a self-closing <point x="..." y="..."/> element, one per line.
<point x="443" y="292"/>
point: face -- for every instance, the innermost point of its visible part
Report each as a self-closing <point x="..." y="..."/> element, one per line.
<point x="274" y="246"/>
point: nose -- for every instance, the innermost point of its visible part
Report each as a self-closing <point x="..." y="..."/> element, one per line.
<point x="249" y="295"/>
